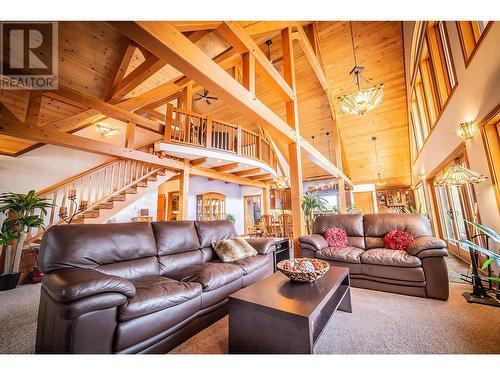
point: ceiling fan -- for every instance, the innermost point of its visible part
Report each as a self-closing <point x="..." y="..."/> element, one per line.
<point x="204" y="96"/>
<point x="272" y="61"/>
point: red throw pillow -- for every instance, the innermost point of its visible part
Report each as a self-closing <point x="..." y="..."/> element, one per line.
<point x="397" y="240"/>
<point x="335" y="237"/>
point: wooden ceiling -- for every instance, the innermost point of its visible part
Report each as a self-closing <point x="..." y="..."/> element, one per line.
<point x="90" y="52"/>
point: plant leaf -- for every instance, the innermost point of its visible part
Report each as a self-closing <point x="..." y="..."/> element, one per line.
<point x="488" y="231"/>
<point x="487" y="263"/>
<point x="482" y="250"/>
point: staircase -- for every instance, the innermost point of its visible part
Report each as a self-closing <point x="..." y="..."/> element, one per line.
<point x="97" y="194"/>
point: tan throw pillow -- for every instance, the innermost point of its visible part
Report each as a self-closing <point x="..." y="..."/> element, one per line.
<point x="233" y="249"/>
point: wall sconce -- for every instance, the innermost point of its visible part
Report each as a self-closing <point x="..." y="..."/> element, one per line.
<point x="104" y="129"/>
<point x="466" y="130"/>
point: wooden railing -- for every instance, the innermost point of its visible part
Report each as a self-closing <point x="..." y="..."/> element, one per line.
<point x="86" y="191"/>
<point x="194" y="129"/>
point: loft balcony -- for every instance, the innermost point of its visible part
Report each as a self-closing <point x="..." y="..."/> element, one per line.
<point x="191" y="135"/>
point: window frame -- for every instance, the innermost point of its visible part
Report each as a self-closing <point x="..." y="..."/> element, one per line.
<point x="466" y="55"/>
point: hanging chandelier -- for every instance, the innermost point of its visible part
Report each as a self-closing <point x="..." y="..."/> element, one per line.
<point x="379" y="180"/>
<point x="361" y="100"/>
<point x="458" y="175"/>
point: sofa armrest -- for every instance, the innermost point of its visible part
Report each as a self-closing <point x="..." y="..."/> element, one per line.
<point x="316" y="241"/>
<point x="427" y="253"/>
<point x="71" y="284"/>
<point x="425" y="244"/>
<point x="263" y="245"/>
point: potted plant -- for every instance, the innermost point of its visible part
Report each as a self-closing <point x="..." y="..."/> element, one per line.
<point x="19" y="210"/>
<point x="231" y="218"/>
<point x="311" y="204"/>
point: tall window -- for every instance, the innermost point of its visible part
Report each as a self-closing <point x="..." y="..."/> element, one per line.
<point x="471" y="34"/>
<point x="420" y="198"/>
<point x="433" y="82"/>
<point x="491" y="138"/>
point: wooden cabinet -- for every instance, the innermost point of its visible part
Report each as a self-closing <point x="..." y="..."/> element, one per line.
<point x="210" y="206"/>
<point x="280" y="199"/>
<point x="395" y="199"/>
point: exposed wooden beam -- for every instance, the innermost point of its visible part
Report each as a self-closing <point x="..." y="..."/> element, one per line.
<point x="199" y="161"/>
<point x="166" y="42"/>
<point x="261" y="176"/>
<point x="34" y="106"/>
<point x="262" y="27"/>
<point x="226" y="167"/>
<point x="77" y="121"/>
<point x="185" y="26"/>
<point x="121" y="69"/>
<point x="10" y="125"/>
<point x="65" y="94"/>
<point x="313" y="59"/>
<point x="197" y="35"/>
<point x="236" y="35"/>
<point x="247" y="172"/>
<point x="139" y="75"/>
<point x="230" y="177"/>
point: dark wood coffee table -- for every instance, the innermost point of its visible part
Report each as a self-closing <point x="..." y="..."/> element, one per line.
<point x="276" y="315"/>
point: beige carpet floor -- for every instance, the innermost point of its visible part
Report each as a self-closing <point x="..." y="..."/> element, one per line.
<point x="380" y="323"/>
<point x="385" y="323"/>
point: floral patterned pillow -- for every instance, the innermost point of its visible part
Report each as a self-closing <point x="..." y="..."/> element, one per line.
<point x="335" y="237"/>
<point x="397" y="240"/>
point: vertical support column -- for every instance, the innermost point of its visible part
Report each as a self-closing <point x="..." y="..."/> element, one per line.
<point x="342" y="196"/>
<point x="168" y="122"/>
<point x="265" y="201"/>
<point x="186" y="98"/>
<point x="292" y="118"/>
<point x="249" y="72"/>
<point x="184" y="190"/>
<point x="130" y="135"/>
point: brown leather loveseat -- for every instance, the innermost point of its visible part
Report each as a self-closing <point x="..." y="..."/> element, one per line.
<point x="137" y="287"/>
<point x="418" y="271"/>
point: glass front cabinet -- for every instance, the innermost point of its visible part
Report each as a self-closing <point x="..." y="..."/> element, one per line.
<point x="210" y="206"/>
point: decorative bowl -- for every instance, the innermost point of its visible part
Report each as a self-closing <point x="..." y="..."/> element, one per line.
<point x="303" y="269"/>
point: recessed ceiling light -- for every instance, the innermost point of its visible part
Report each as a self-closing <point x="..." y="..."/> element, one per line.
<point x="219" y="161"/>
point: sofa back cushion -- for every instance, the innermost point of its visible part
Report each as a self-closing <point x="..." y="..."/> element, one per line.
<point x="352" y="224"/>
<point x="209" y="231"/>
<point x="178" y="245"/>
<point x="376" y="226"/>
<point x="126" y="250"/>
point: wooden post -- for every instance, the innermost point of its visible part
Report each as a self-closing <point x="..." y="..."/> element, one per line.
<point x="259" y="148"/>
<point x="294" y="148"/>
<point x="130" y="135"/>
<point x="249" y="72"/>
<point x="209" y="131"/>
<point x="238" y="140"/>
<point x="186" y="97"/>
<point x="168" y="122"/>
<point x="342" y="200"/>
<point x="265" y="201"/>
<point x="184" y="190"/>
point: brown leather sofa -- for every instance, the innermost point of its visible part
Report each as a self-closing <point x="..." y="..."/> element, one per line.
<point x="418" y="271"/>
<point x="137" y="287"/>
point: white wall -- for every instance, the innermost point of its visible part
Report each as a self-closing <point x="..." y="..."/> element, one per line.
<point x="477" y="94"/>
<point x="149" y="201"/>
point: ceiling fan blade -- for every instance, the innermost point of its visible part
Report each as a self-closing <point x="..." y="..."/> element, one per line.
<point x="277" y="60"/>
<point x="212" y="97"/>
<point x="196" y="99"/>
<point x="208" y="102"/>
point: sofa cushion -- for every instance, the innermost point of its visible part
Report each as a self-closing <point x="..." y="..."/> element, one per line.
<point x="251" y="264"/>
<point x="387" y="257"/>
<point x="173" y="237"/>
<point x="210" y="231"/>
<point x="351" y="223"/>
<point x="341" y="254"/>
<point x="335" y="237"/>
<point x="210" y="275"/>
<point x="233" y="249"/>
<point x="155" y="293"/>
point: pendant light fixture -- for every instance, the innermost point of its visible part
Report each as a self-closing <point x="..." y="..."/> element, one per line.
<point x="458" y="175"/>
<point x="361" y="100"/>
<point x="379" y="181"/>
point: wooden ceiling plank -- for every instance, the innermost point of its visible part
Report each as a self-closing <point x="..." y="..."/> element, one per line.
<point x="226" y="167"/>
<point x="236" y="35"/>
<point x="229" y="177"/>
<point x="264" y="176"/>
<point x="76" y="121"/>
<point x="185" y="26"/>
<point x="11" y="126"/>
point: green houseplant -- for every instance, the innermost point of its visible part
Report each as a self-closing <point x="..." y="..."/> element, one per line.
<point x="311" y="204"/>
<point x="231" y="218"/>
<point x="19" y="210"/>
